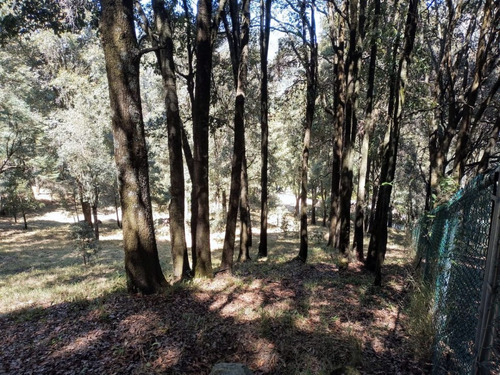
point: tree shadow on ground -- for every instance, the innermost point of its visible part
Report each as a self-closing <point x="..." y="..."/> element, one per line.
<point x="304" y="319"/>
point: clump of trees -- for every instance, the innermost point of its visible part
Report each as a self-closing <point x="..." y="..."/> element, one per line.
<point x="381" y="113"/>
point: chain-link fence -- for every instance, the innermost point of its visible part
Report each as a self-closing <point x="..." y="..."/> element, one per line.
<point x="452" y="248"/>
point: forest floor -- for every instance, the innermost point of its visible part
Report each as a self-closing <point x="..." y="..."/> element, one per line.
<point x="276" y="315"/>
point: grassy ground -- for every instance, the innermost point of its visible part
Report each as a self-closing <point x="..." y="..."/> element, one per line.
<point x="276" y="315"/>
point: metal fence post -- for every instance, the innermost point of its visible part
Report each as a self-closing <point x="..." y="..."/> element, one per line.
<point x="488" y="310"/>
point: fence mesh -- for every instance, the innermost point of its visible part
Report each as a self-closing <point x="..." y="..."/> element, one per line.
<point x="452" y="245"/>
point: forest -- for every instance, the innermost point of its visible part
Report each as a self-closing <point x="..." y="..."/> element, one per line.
<point x="196" y="142"/>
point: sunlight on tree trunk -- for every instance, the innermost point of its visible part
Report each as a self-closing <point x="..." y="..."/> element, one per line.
<point x="143" y="271"/>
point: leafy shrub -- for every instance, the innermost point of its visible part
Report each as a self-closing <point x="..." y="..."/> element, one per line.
<point x="85" y="241"/>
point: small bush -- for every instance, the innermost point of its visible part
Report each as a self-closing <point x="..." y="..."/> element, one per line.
<point x="420" y="319"/>
<point x="84" y="237"/>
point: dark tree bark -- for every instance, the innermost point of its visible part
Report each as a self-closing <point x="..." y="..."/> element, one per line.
<point x="25" y="221"/>
<point x="359" y="220"/>
<point x="490" y="147"/>
<point x="190" y="83"/>
<point x="116" y="200"/>
<point x="356" y="35"/>
<point x="338" y="43"/>
<point x="87" y="212"/>
<point x="142" y="266"/>
<point x="86" y="208"/>
<point x="310" y="63"/>
<point x="487" y="39"/>
<point x="460" y="80"/>
<point x="245" y="218"/>
<point x="313" y="206"/>
<point x="201" y="222"/>
<point x="378" y="240"/>
<point x="265" y="27"/>
<point x="238" y="42"/>
<point x="165" y="56"/>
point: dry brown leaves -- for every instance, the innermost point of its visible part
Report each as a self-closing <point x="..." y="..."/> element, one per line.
<point x="297" y="319"/>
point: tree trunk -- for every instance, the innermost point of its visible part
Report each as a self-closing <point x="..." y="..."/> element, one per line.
<point x="486" y="40"/>
<point x="201" y="222"/>
<point x="311" y="67"/>
<point x="94" y="213"/>
<point x="338" y="122"/>
<point x="142" y="266"/>
<point x="25" y="222"/>
<point x="190" y="163"/>
<point x="239" y="52"/>
<point x="118" y="222"/>
<point x="313" y="206"/>
<point x="265" y="27"/>
<point x="245" y="219"/>
<point x="378" y="240"/>
<point x="75" y="206"/>
<point x="174" y="129"/>
<point x="359" y="219"/>
<point x="323" y="204"/>
<point x="490" y="147"/>
<point x="356" y="26"/>
<point x="224" y="203"/>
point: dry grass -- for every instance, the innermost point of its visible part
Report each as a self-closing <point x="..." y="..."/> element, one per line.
<point x="276" y="315"/>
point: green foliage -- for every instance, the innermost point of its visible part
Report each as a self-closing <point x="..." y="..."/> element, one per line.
<point x="85" y="241"/>
<point x="27" y="16"/>
<point x="16" y="193"/>
<point x="420" y="325"/>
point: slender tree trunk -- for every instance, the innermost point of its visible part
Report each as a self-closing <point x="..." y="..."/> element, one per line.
<point x="338" y="121"/>
<point x="311" y="67"/>
<point x="240" y="59"/>
<point x="142" y="266"/>
<point x="190" y="163"/>
<point x="490" y="147"/>
<point x="94" y="213"/>
<point x="485" y="41"/>
<point x="359" y="220"/>
<point x="118" y="222"/>
<point x="246" y="226"/>
<point x="313" y="206"/>
<point x="265" y="27"/>
<point x="356" y="16"/>
<point x="86" y="209"/>
<point x="378" y="240"/>
<point x="25" y="222"/>
<point x="185" y="142"/>
<point x="323" y="203"/>
<point x="174" y="129"/>
<point x="75" y="206"/>
<point x="201" y="222"/>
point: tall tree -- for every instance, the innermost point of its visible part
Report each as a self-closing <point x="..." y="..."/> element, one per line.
<point x="238" y="38"/>
<point x="162" y="40"/>
<point x="485" y="63"/>
<point x="356" y="24"/>
<point x="122" y="55"/>
<point x="337" y="39"/>
<point x="464" y="85"/>
<point x="265" y="27"/>
<point x="308" y="56"/>
<point x="202" y="264"/>
<point x="245" y="215"/>
<point x="378" y="239"/>
<point x="370" y="115"/>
